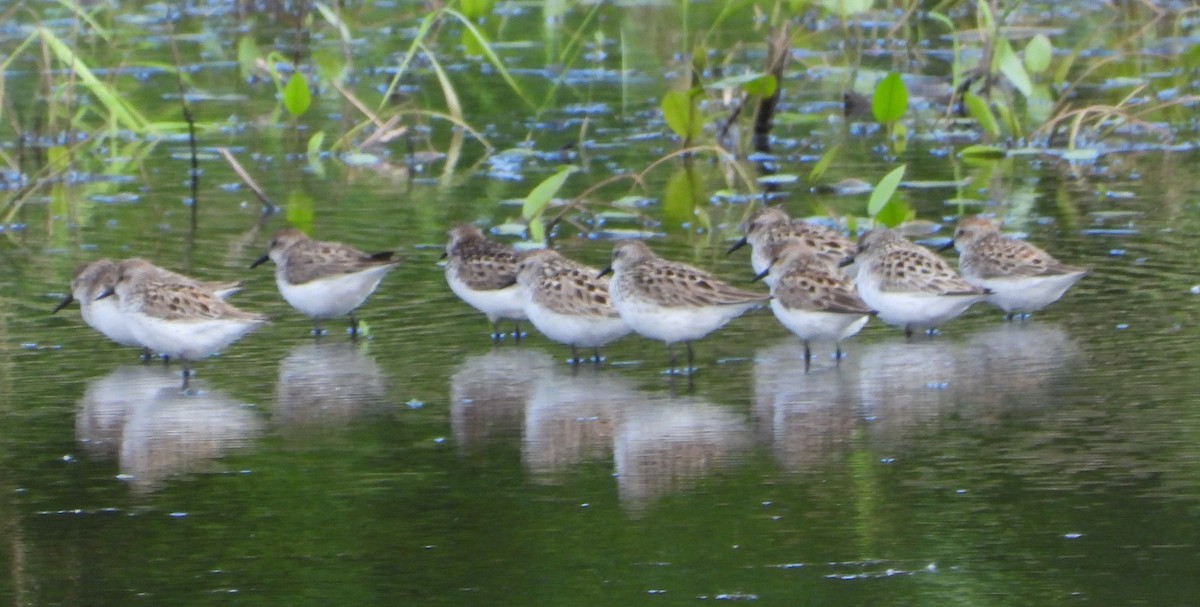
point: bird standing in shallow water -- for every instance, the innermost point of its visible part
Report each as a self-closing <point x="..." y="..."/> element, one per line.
<point x="1021" y="277"/>
<point x="813" y="298"/>
<point x="568" y="302"/>
<point x="908" y="285"/>
<point x="483" y="273"/>
<point x="669" y="301"/>
<point x="180" y="320"/>
<point x="324" y="279"/>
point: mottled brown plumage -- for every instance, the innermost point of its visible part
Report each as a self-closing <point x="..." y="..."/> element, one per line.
<point x="304" y="260"/>
<point x="985" y="253"/>
<point x="480" y="263"/>
<point x="806" y="282"/>
<point x="904" y="266"/>
<point x="770" y="225"/>
<point x="644" y="275"/>
<point x="564" y="286"/>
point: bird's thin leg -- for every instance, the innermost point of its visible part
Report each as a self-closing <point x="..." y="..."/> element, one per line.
<point x="908" y="331"/>
<point x="574" y="355"/>
<point x="187" y="374"/>
<point x="596" y="356"/>
<point x="496" y="335"/>
<point x="517" y="333"/>
<point x="691" y="358"/>
<point x="353" y="325"/>
<point x="838" y="352"/>
<point x="671" y="354"/>
<point x="807" y="356"/>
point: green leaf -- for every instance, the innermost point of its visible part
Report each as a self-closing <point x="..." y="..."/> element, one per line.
<point x="475" y="9"/>
<point x="884" y="190"/>
<point x="1038" y="53"/>
<point x="296" y="96"/>
<point x="537" y="229"/>
<point x="796" y="119"/>
<point x="248" y="54"/>
<point x="895" y="213"/>
<point x="679" y="111"/>
<point x="299" y="211"/>
<point x="890" y="100"/>
<point x="314" y="143"/>
<point x="979" y="110"/>
<point x="759" y="84"/>
<point x="1007" y="62"/>
<point x="822" y="165"/>
<point x="982" y="151"/>
<point x="544" y="192"/>
<point x="680" y="198"/>
<point x="1191" y="57"/>
<point x="847" y="8"/>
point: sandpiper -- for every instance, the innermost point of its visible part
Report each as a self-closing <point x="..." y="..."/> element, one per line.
<point x="324" y="279"/>
<point x="813" y="298"/>
<point x="769" y="225"/>
<point x="104" y="315"/>
<point x="568" y="302"/>
<point x="908" y="285"/>
<point x="179" y="320"/>
<point x="669" y="301"/>
<point x="1022" y="278"/>
<point x="483" y="273"/>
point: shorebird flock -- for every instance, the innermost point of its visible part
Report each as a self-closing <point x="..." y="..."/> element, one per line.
<point x="823" y="287"/>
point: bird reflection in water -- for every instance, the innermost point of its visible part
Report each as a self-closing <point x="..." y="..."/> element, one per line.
<point x="667" y="445"/>
<point x="157" y="431"/>
<point x="326" y="384"/>
<point x="570" y="418"/>
<point x="488" y="393"/>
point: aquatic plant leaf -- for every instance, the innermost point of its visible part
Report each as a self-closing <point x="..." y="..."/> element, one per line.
<point x="982" y="151"/>
<point x="680" y="198"/>
<point x="894" y="213"/>
<point x="822" y="165"/>
<point x="248" y="54"/>
<point x="296" y="95"/>
<point x="1038" y="53"/>
<point x="979" y="110"/>
<point x="537" y="229"/>
<point x="847" y="8"/>
<point x="314" y="143"/>
<point x="884" y="190"/>
<point x="1191" y="57"/>
<point x="890" y="100"/>
<point x="544" y="192"/>
<point x="1007" y="62"/>
<point x="679" y="111"/>
<point x="299" y="211"/>
<point x="475" y="9"/>
<point x="758" y="84"/>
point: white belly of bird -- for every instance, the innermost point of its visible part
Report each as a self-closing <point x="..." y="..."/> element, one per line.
<point x="818" y="326"/>
<point x="498" y="304"/>
<point x="187" y="339"/>
<point x="105" y="316"/>
<point x="912" y="308"/>
<point x="333" y="296"/>
<point x="1027" y="294"/>
<point x="573" y="330"/>
<point x="676" y="324"/>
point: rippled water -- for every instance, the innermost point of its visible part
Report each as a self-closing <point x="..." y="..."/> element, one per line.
<point x="1052" y="461"/>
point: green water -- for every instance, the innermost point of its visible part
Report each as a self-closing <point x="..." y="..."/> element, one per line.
<point x="1049" y="462"/>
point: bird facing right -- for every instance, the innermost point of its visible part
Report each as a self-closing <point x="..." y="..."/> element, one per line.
<point x="908" y="285"/>
<point x="568" y="302"/>
<point x="1021" y="277"/>
<point x="669" y="301"/>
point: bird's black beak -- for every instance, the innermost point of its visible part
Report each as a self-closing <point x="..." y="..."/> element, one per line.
<point x="445" y="254"/>
<point x="106" y="293"/>
<point x="260" y="261"/>
<point x="761" y="275"/>
<point x="947" y="246"/>
<point x="604" y="272"/>
<point x="737" y="245"/>
<point x="846" y="261"/>
<point x="62" y="304"/>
